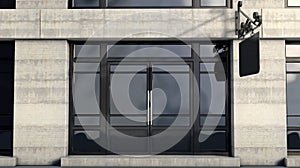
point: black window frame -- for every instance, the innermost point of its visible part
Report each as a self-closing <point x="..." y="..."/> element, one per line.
<point x="10" y="72"/>
<point x="293" y="59"/>
<point x="196" y="61"/>
<point x="195" y="4"/>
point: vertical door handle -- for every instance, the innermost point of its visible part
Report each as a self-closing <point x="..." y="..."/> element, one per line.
<point x="151" y="113"/>
<point x="148" y="107"/>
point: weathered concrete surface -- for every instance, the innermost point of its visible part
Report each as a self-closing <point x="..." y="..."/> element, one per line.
<point x="283" y="23"/>
<point x="292" y="161"/>
<point x="138" y="23"/>
<point x="41" y="4"/>
<point x="15" y="23"/>
<point x="259" y="103"/>
<point x="41" y="101"/>
<point x="160" y="161"/>
<point x="8" y="161"/>
<point x="260" y="4"/>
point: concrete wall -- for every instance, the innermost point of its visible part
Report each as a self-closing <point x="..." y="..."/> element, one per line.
<point x="259" y="104"/>
<point x="41" y="102"/>
<point x="41" y="73"/>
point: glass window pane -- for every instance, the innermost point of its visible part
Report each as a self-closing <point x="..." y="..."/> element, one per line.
<point x="213" y="2"/>
<point x="216" y="140"/>
<point x="6" y="88"/>
<point x="6" y="121"/>
<point x="6" y="141"/>
<point x="148" y="3"/>
<point x="6" y="66"/>
<point x="86" y="3"/>
<point x="168" y="121"/>
<point x="87" y="50"/>
<point x="7" y="49"/>
<point x="208" y="86"/>
<point x="86" y="141"/>
<point x="293" y="50"/>
<point x="171" y="93"/>
<point x="128" y="94"/>
<point x="293" y="3"/>
<point x="128" y="121"/>
<point x="212" y="121"/>
<point x="87" y="67"/>
<point x="171" y="68"/>
<point x="293" y="139"/>
<point x="293" y="121"/>
<point x="86" y="93"/>
<point x="293" y="67"/>
<point x="128" y="68"/>
<point x="207" y="51"/>
<point x="152" y="51"/>
<point x="217" y="67"/>
<point x="7" y="4"/>
<point x="293" y="93"/>
<point x="87" y="121"/>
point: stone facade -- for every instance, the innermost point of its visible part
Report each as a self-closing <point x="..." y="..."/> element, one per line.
<point x="42" y="29"/>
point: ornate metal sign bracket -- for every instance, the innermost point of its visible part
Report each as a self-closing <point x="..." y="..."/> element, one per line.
<point x="244" y="28"/>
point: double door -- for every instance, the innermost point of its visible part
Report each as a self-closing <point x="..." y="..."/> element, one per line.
<point x="150" y="102"/>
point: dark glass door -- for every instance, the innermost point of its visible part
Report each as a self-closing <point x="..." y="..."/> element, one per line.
<point x="145" y="100"/>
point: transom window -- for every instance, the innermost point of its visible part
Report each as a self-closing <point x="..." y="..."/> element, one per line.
<point x="148" y="3"/>
<point x="158" y="77"/>
<point x="293" y="96"/>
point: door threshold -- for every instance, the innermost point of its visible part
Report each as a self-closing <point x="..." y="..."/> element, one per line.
<point x="150" y="161"/>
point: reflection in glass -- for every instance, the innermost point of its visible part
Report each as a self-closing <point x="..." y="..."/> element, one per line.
<point x="128" y="68"/>
<point x="293" y="67"/>
<point x="293" y="50"/>
<point x="86" y="141"/>
<point x="151" y="51"/>
<point x="5" y="140"/>
<point x="171" y="68"/>
<point x="212" y="121"/>
<point x="293" y="139"/>
<point x="87" y="67"/>
<point x="216" y="141"/>
<point x="168" y="121"/>
<point x="87" y="51"/>
<point x="86" y="3"/>
<point x="293" y="3"/>
<point x="213" y="2"/>
<point x="128" y="121"/>
<point x="293" y="94"/>
<point x="86" y="93"/>
<point x="149" y="3"/>
<point x="87" y="121"/>
<point x="207" y="51"/>
<point x="128" y="93"/>
<point x="209" y="85"/>
<point x="171" y="93"/>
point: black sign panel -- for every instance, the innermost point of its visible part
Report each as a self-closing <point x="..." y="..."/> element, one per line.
<point x="249" y="56"/>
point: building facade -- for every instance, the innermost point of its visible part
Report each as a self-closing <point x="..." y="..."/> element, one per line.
<point x="63" y="62"/>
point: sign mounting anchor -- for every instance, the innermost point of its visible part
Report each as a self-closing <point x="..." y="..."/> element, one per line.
<point x="244" y="28"/>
